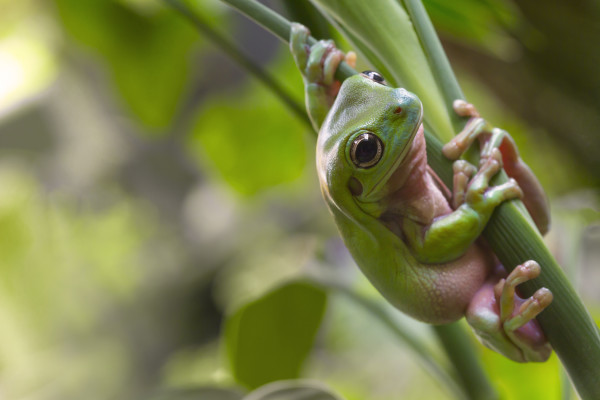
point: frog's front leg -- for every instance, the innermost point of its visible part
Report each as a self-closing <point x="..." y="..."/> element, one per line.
<point x="449" y="236"/>
<point x="492" y="138"/>
<point x="505" y="322"/>
<point x="318" y="64"/>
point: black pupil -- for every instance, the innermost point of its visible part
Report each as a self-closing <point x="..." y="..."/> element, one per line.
<point x="366" y="149"/>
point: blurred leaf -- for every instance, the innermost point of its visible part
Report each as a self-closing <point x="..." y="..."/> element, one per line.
<point x="205" y="393"/>
<point x="483" y="23"/>
<point x="251" y="139"/>
<point x="296" y="390"/>
<point x="518" y="381"/>
<point x="270" y="338"/>
<point x="147" y="53"/>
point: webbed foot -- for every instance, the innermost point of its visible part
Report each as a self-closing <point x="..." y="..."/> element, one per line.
<point x="492" y="139"/>
<point x="506" y="323"/>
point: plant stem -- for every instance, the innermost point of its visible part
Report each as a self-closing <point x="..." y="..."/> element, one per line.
<point x="376" y="310"/>
<point x="442" y="70"/>
<point x="236" y="54"/>
<point x="459" y="350"/>
<point x="278" y="26"/>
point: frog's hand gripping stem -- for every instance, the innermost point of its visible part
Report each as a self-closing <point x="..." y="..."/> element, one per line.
<point x="317" y="64"/>
<point x="449" y="237"/>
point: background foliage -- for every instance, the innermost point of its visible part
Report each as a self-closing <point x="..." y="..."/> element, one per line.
<point x="159" y="207"/>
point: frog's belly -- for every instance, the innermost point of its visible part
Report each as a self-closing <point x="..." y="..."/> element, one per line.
<point x="440" y="293"/>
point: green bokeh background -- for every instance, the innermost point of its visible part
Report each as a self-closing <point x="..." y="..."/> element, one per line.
<point x="151" y="191"/>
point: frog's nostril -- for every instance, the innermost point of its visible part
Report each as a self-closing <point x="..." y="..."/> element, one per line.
<point x="398" y="110"/>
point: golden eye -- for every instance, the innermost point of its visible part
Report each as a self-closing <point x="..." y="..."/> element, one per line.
<point x="366" y="150"/>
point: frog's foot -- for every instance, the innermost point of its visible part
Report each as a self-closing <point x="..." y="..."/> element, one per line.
<point x="475" y="127"/>
<point x="491" y="139"/>
<point x="318" y="64"/>
<point x="519" y="323"/>
<point x="506" y="323"/>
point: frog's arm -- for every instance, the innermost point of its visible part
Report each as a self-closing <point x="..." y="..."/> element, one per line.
<point x="449" y="236"/>
<point x="444" y="240"/>
<point x="317" y="64"/>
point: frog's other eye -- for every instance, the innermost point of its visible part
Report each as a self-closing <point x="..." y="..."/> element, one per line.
<point x="375" y="77"/>
<point x="366" y="150"/>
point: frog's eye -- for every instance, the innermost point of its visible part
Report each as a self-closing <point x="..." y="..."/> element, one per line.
<point x="375" y="77"/>
<point x="366" y="150"/>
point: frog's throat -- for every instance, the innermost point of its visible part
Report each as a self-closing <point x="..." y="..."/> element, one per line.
<point x="385" y="178"/>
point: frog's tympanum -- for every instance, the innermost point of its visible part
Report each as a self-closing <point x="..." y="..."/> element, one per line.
<point x="417" y="243"/>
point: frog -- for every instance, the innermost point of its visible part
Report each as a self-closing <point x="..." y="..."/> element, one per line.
<point x="417" y="242"/>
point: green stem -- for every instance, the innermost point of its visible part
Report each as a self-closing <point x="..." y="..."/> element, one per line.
<point x="566" y="322"/>
<point x="236" y="54"/>
<point x="278" y="26"/>
<point x="432" y="47"/>
<point x="459" y="350"/>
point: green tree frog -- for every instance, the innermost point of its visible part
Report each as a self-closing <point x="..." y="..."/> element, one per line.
<point x="417" y="243"/>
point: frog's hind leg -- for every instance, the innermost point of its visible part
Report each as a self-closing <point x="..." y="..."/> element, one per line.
<point x="519" y="323"/>
<point x="492" y="138"/>
<point x="505" y="322"/>
<point x="534" y="198"/>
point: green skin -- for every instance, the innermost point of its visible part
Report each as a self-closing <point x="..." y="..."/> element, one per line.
<point x="421" y="253"/>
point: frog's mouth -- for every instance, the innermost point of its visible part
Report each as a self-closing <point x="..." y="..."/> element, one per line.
<point x="389" y="173"/>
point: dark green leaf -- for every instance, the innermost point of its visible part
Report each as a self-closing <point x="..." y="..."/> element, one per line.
<point x="270" y="338"/>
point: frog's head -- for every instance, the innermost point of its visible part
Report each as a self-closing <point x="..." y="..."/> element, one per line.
<point x="363" y="141"/>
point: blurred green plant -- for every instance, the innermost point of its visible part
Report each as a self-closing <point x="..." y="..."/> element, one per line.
<point x="152" y="87"/>
<point x="245" y="161"/>
<point x="72" y="261"/>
